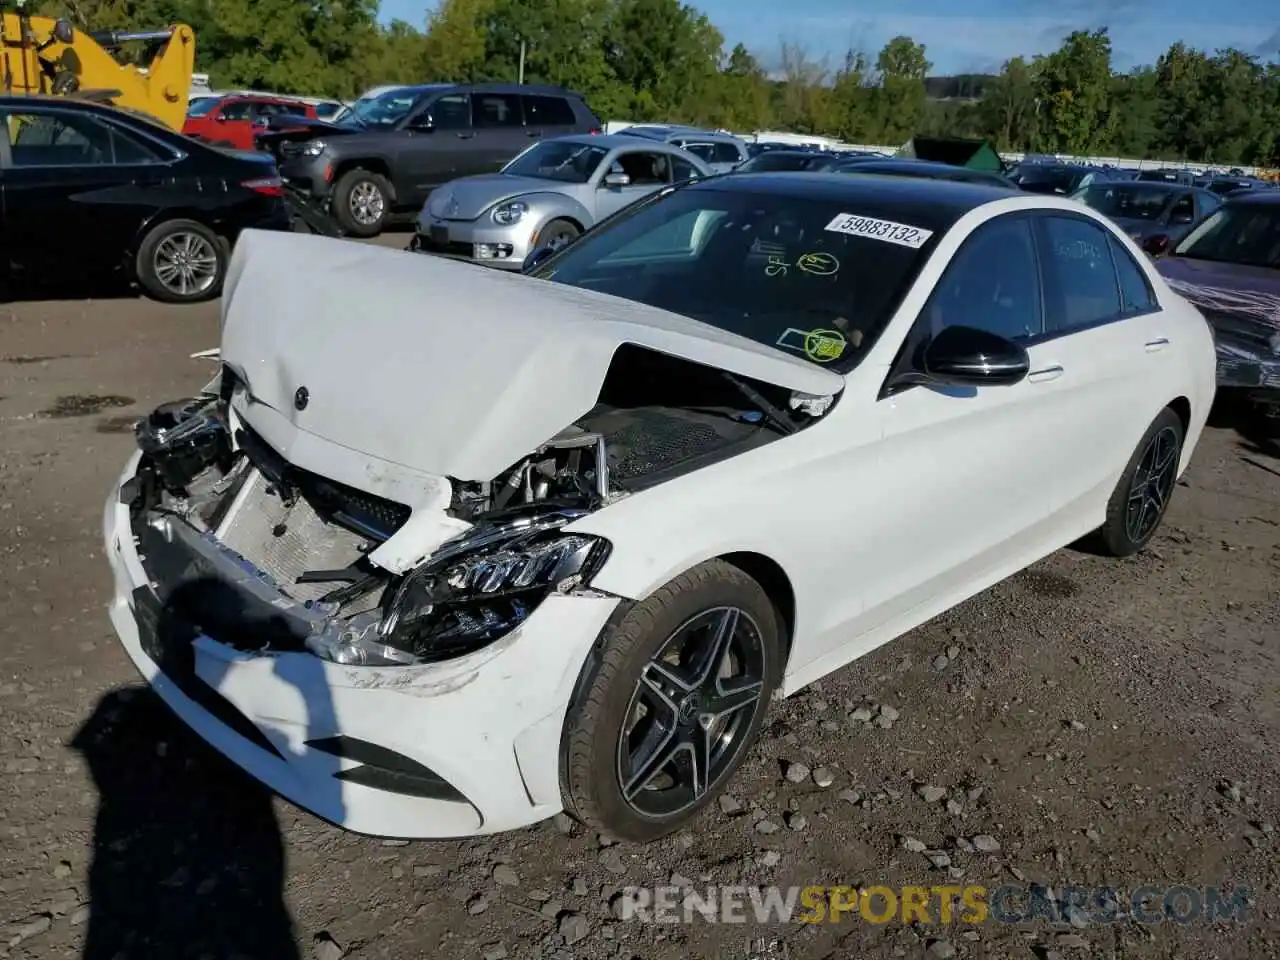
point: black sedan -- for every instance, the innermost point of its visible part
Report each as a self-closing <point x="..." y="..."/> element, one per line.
<point x="926" y="169"/>
<point x="1146" y="210"/>
<point x="93" y="194"/>
<point x="775" y="161"/>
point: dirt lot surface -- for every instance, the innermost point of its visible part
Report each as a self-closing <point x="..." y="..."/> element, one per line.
<point x="1089" y="722"/>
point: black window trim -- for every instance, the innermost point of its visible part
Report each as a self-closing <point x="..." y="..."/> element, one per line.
<point x="1038" y="225"/>
<point x="173" y="153"/>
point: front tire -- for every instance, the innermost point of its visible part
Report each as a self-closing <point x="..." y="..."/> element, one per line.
<point x="559" y="233"/>
<point x="181" y="261"/>
<point x="672" y="703"/>
<point x="362" y="202"/>
<point x="1140" y="499"/>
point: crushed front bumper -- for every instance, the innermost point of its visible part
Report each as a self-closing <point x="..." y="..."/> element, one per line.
<point x="461" y="748"/>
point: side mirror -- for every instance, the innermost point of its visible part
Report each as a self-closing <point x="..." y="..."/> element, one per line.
<point x="63" y="32"/>
<point x="1156" y="244"/>
<point x="968" y="357"/>
<point x="616" y="180"/>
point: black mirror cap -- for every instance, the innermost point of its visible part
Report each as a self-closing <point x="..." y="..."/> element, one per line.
<point x="969" y="357"/>
<point x="536" y="257"/>
<point x="63" y="32"/>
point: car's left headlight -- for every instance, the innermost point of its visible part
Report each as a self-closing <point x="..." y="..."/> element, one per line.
<point x="511" y="212"/>
<point x="473" y="592"/>
<point x="313" y="148"/>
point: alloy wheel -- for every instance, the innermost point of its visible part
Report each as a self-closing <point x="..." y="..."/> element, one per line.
<point x="366" y="203"/>
<point x="1153" y="481"/>
<point x="690" y="712"/>
<point x="186" y="264"/>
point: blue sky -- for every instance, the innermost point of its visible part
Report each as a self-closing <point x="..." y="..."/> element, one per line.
<point x="977" y="35"/>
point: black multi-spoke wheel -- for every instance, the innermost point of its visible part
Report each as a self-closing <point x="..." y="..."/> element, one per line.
<point x="692" y="701"/>
<point x="670" y="702"/>
<point x="1152" y="484"/>
<point x="1141" y="497"/>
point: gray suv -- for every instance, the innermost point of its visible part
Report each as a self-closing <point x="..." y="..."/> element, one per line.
<point x="389" y="152"/>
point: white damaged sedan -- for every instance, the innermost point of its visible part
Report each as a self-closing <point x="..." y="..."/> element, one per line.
<point x="485" y="547"/>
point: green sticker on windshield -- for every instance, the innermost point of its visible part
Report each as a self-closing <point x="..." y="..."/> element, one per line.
<point x="820" y="346"/>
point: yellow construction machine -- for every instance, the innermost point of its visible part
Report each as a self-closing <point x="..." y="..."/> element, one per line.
<point x="42" y="55"/>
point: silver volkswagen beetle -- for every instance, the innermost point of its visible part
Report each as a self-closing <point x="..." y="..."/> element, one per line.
<point x="546" y="196"/>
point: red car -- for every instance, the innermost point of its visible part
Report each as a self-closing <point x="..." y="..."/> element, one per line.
<point x="232" y="121"/>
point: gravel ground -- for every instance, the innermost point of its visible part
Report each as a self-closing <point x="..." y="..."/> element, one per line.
<point x="1089" y="722"/>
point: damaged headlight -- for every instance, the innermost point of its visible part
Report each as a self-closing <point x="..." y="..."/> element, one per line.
<point x="509" y="213"/>
<point x="472" y="593"/>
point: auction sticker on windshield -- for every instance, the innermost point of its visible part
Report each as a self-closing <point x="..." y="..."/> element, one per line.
<point x="902" y="234"/>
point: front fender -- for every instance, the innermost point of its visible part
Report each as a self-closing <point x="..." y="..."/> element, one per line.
<point x="545" y="207"/>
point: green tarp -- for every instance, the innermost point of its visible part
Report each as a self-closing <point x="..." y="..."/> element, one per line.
<point x="974" y="154"/>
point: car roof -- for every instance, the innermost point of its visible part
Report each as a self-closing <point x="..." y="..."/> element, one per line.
<point x="611" y="141"/>
<point x="1255" y="198"/>
<point x="931" y="204"/>
<point x="528" y="89"/>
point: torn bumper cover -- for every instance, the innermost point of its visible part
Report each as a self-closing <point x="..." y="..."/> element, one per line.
<point x="461" y="747"/>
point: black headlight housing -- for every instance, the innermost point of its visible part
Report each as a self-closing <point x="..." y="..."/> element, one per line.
<point x="484" y="586"/>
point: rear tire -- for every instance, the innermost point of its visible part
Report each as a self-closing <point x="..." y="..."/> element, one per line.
<point x="1139" y="501"/>
<point x="606" y="733"/>
<point x="362" y="202"/>
<point x="181" y="261"/>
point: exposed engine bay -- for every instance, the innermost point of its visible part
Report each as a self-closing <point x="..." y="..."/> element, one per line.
<point x="212" y="502"/>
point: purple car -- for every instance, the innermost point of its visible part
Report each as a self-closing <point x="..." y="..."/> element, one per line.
<point x="1229" y="267"/>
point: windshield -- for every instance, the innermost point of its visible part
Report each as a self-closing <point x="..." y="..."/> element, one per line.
<point x="1126" y="201"/>
<point x="1247" y="235"/>
<point x="805" y="276"/>
<point x="201" y="106"/>
<point x="384" y="110"/>
<point x="561" y="160"/>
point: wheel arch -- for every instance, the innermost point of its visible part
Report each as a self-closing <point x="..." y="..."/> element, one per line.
<point x="376" y="165"/>
<point x="1182" y="407"/>
<point x="767" y="572"/>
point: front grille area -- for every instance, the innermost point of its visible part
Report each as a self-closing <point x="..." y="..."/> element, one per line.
<point x="285" y="539"/>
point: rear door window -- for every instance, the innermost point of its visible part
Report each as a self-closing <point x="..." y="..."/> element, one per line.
<point x="499" y="110"/>
<point x="1081" y="286"/>
<point x="725" y="153"/>
<point x="548" y="112"/>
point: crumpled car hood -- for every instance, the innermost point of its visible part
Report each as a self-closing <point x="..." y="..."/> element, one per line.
<point x="1252" y="293"/>
<point x="445" y="368"/>
<point x="468" y="197"/>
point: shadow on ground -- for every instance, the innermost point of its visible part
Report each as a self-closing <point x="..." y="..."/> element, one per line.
<point x="188" y="860"/>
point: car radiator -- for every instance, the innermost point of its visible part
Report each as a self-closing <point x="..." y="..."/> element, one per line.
<point x="285" y="540"/>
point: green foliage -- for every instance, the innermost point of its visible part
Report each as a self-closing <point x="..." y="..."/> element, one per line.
<point x="664" y="60"/>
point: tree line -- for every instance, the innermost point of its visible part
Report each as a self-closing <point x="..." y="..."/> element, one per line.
<point x="664" y="60"/>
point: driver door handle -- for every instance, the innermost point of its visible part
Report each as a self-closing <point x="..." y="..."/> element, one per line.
<point x="1045" y="374"/>
<point x="465" y="135"/>
<point x="1152" y="346"/>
